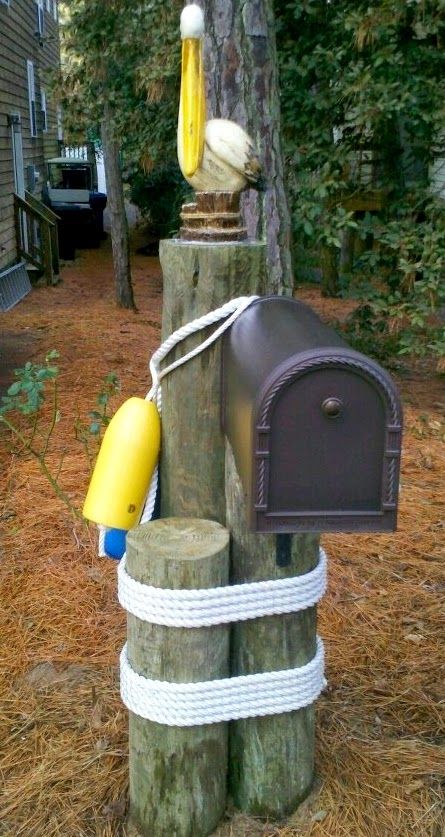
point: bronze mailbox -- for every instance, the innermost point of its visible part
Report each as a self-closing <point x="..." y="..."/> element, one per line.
<point x="315" y="426"/>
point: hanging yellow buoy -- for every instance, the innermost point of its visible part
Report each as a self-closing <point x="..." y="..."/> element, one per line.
<point x="125" y="465"/>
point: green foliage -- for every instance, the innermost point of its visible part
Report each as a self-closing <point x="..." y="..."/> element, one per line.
<point x="159" y="196"/>
<point x="31" y="427"/>
<point x="98" y="419"/>
<point x="400" y="281"/>
<point x="27" y="394"/>
<point x="127" y="53"/>
<point x="363" y="93"/>
<point x="363" y="108"/>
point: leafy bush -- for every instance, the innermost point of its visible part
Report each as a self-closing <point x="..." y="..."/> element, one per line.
<point x="31" y="429"/>
<point x="159" y="195"/>
<point x="401" y="281"/>
<point x="363" y="93"/>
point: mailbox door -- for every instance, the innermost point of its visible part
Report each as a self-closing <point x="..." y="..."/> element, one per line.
<point x="327" y="448"/>
<point x="323" y="461"/>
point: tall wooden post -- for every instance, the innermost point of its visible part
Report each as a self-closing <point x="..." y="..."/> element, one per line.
<point x="271" y="762"/>
<point x="178" y="775"/>
<point x="198" y="278"/>
<point x="271" y="758"/>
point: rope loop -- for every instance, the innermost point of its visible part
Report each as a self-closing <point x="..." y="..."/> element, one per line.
<point x="212" y="701"/>
<point x="219" y="605"/>
<point x="234" y="308"/>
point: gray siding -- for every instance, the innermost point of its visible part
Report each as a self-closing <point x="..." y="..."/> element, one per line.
<point x="18" y="44"/>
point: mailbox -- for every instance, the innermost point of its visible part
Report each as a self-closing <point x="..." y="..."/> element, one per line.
<point x="315" y="426"/>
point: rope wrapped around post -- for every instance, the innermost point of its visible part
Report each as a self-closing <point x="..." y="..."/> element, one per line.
<point x="207" y="702"/>
<point x="213" y="701"/>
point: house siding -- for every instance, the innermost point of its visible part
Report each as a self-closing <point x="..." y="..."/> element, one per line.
<point x="19" y="43"/>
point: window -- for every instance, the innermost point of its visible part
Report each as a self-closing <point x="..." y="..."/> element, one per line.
<point x="44" y="111"/>
<point x="70" y="175"/>
<point x="32" y="98"/>
<point x="55" y="9"/>
<point x="40" y="17"/>
<point x="48" y="5"/>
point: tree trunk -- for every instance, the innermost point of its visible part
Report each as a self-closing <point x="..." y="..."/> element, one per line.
<point x="118" y="218"/>
<point x="329" y="272"/>
<point x="242" y="85"/>
<point x="347" y="250"/>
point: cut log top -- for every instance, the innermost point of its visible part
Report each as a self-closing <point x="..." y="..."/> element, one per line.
<point x="177" y="553"/>
<point x="214" y="217"/>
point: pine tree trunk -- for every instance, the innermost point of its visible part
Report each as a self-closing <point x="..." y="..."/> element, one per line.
<point x="118" y="218"/>
<point x="329" y="271"/>
<point x="242" y="85"/>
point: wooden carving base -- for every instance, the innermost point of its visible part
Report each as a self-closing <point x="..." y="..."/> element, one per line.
<point x="214" y="217"/>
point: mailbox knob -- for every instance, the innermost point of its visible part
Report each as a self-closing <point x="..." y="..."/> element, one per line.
<point x="332" y="407"/>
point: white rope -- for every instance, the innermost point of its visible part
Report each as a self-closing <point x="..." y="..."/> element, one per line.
<point x="235" y="307"/>
<point x="101" y="548"/>
<point x="219" y="605"/>
<point x="231" y="310"/>
<point x="211" y="701"/>
<point x="150" y="502"/>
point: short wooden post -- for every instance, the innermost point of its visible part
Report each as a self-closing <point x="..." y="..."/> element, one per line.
<point x="178" y="775"/>
<point x="271" y="758"/>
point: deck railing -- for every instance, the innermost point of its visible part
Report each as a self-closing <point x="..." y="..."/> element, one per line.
<point x="37" y="240"/>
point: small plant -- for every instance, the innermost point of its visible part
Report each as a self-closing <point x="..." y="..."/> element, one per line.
<point x="21" y="411"/>
<point x="99" y="418"/>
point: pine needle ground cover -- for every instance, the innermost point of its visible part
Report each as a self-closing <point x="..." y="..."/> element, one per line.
<point x="63" y="751"/>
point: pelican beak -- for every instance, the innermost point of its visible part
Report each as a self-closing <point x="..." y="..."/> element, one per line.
<point x="191" y="107"/>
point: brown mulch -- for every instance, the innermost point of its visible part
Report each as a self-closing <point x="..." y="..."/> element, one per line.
<point x="63" y="754"/>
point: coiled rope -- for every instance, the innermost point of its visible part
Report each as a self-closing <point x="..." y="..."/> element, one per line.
<point x="219" y="605"/>
<point x="191" y="704"/>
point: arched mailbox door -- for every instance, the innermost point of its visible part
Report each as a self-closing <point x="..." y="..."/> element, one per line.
<point x="315" y="427"/>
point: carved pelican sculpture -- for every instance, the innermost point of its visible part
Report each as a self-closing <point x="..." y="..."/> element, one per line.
<point x="217" y="155"/>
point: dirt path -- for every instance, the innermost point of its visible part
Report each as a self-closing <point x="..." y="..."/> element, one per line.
<point x="381" y="722"/>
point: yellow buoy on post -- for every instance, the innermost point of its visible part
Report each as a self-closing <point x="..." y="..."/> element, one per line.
<point x="124" y="466"/>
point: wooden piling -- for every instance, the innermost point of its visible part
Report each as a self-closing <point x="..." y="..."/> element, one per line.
<point x="198" y="278"/>
<point x="178" y="775"/>
<point x="271" y="764"/>
<point x="272" y="758"/>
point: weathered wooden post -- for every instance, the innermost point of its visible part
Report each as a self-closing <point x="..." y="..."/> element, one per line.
<point x="199" y="277"/>
<point x="271" y="758"/>
<point x="178" y="775"/>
